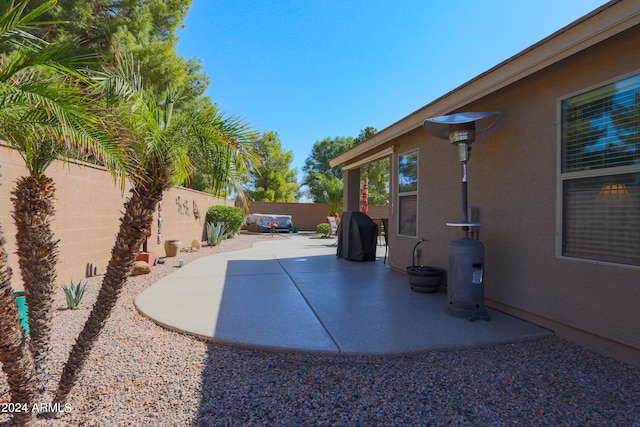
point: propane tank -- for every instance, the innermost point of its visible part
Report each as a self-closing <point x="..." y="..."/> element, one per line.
<point x="465" y="284"/>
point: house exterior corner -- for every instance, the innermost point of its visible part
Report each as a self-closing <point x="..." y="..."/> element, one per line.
<point x="559" y="204"/>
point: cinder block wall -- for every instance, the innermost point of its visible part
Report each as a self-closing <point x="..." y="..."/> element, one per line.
<point x="88" y="209"/>
<point x="306" y="216"/>
<point x="89" y="204"/>
<point x="183" y="217"/>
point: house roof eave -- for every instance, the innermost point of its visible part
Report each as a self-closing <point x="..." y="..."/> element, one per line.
<point x="602" y="23"/>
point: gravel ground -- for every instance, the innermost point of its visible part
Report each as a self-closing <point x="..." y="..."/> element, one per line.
<point x="140" y="374"/>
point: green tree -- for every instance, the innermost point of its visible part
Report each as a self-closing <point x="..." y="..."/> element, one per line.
<point x="273" y="179"/>
<point x="158" y="137"/>
<point x="328" y="189"/>
<point x="50" y="110"/>
<point x="377" y="172"/>
<point x="317" y="164"/>
<point x="326" y="149"/>
<point x="365" y="134"/>
<point x="145" y="29"/>
<point x="46" y="110"/>
<point x="221" y="168"/>
<point x="157" y="153"/>
<point x="323" y="151"/>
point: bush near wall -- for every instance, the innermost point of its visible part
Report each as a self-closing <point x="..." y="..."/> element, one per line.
<point x="230" y="216"/>
<point x="323" y="228"/>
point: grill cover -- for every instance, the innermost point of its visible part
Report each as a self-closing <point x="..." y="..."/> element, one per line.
<point x="357" y="237"/>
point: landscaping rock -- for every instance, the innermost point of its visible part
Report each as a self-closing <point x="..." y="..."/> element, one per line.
<point x="140" y="373"/>
<point x="140" y="267"/>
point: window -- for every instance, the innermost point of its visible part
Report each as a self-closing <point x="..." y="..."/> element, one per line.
<point x="408" y="193"/>
<point x="600" y="173"/>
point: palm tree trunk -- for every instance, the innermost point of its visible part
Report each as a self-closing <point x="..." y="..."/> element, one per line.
<point x="15" y="356"/>
<point x="37" y="250"/>
<point x="134" y="228"/>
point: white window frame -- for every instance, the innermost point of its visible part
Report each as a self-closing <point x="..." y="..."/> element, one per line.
<point x="407" y="193"/>
<point x="562" y="177"/>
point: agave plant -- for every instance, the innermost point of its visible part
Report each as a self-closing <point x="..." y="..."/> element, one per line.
<point x="74" y="293"/>
<point x="215" y="233"/>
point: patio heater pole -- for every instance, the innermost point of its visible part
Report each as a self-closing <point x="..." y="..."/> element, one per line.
<point x="465" y="284"/>
<point x="465" y="208"/>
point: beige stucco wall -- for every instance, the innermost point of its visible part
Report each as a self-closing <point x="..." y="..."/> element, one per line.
<point x="513" y="179"/>
<point x="88" y="209"/>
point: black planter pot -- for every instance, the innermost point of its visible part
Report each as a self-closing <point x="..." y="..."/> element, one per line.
<point x="425" y="279"/>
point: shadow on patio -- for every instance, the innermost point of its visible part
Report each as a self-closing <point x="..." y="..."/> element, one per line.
<point x="293" y="297"/>
<point x="297" y="295"/>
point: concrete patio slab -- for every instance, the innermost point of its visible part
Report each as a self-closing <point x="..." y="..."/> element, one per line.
<point x="295" y="294"/>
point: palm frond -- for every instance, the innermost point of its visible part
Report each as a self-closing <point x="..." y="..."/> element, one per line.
<point x="15" y="25"/>
<point x="121" y="85"/>
<point x="43" y="107"/>
<point x="45" y="57"/>
<point x="225" y="149"/>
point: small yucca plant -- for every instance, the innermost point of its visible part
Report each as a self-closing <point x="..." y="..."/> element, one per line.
<point x="74" y="293"/>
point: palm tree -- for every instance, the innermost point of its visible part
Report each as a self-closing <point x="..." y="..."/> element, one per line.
<point x="225" y="166"/>
<point x="327" y="189"/>
<point x="159" y="150"/>
<point x="15" y="356"/>
<point x="45" y="114"/>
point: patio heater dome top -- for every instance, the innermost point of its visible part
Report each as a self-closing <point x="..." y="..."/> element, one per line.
<point x="445" y="127"/>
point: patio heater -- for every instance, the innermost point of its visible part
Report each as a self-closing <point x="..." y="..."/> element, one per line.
<point x="465" y="282"/>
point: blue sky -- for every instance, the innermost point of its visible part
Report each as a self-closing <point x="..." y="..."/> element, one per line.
<point x="315" y="69"/>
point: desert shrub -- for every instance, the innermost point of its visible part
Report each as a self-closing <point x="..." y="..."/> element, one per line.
<point x="229" y="216"/>
<point x="215" y="233"/>
<point x="74" y="293"/>
<point x="323" y="228"/>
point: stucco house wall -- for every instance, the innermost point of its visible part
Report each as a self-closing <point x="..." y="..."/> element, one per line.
<point x="514" y="183"/>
